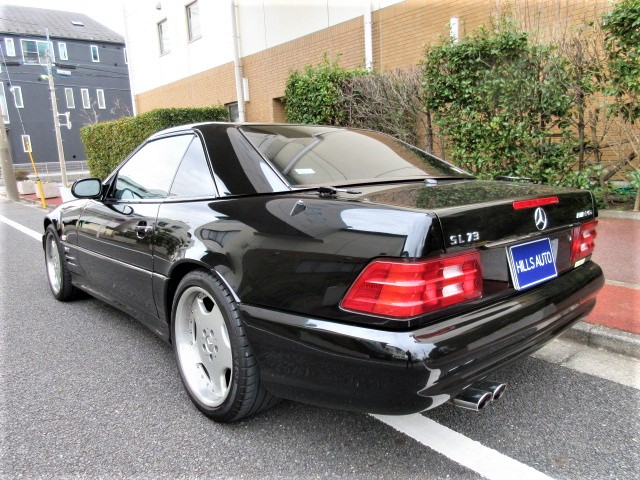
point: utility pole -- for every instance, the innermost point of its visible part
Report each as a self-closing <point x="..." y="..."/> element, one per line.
<point x="7" y="165"/>
<point x="237" y="62"/>
<point x="54" y="107"/>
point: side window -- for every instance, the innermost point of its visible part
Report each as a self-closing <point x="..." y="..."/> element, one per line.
<point x="95" y="56"/>
<point x="17" y="97"/>
<point x="11" y="48"/>
<point x="149" y="173"/>
<point x="62" y="51"/>
<point x="68" y="94"/>
<point x="193" y="178"/>
<point x="163" y="37"/>
<point x="3" y="104"/>
<point x="100" y="94"/>
<point x="86" y="101"/>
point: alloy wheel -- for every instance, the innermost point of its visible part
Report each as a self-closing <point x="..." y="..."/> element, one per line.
<point x="203" y="347"/>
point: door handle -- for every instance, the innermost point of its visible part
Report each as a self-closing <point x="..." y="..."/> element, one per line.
<point x="142" y="229"/>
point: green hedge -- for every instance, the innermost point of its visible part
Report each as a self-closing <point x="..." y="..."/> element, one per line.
<point x="107" y="144"/>
<point x="313" y="95"/>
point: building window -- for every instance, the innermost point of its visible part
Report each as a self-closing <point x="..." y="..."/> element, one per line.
<point x="454" y="29"/>
<point x="34" y="52"/>
<point x="234" y="113"/>
<point x="10" y="47"/>
<point x="3" y="104"/>
<point x="68" y="94"/>
<point x="17" y="96"/>
<point x="62" y="51"/>
<point x="95" y="57"/>
<point x="86" y="101"/>
<point x="26" y="143"/>
<point x="126" y="60"/>
<point x="163" y="37"/>
<point x="193" y="21"/>
<point x="100" y="95"/>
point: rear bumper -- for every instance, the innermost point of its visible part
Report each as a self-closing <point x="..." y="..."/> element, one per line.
<point x="389" y="372"/>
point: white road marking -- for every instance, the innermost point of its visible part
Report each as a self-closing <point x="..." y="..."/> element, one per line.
<point x="489" y="463"/>
<point x="17" y="226"/>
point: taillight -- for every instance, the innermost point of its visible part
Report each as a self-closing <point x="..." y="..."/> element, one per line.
<point x="400" y="289"/>
<point x="583" y="241"/>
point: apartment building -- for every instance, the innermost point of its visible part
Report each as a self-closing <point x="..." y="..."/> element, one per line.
<point x="89" y="69"/>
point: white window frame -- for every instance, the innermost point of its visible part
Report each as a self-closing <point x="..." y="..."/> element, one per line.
<point x="62" y="51"/>
<point x="17" y="97"/>
<point x="3" y="105"/>
<point x="101" y="102"/>
<point x="190" y="35"/>
<point x="232" y="108"/>
<point x="26" y="144"/>
<point x="94" y="50"/>
<point x="41" y="61"/>
<point x="68" y="95"/>
<point x="10" y="47"/>
<point x="86" y="99"/>
<point x="163" y="26"/>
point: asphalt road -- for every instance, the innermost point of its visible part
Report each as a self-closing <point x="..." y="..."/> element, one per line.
<point x="87" y="392"/>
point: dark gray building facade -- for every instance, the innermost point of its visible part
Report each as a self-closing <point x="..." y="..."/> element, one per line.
<point x="90" y="74"/>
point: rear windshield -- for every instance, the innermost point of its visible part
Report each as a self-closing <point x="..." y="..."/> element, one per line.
<point x="316" y="155"/>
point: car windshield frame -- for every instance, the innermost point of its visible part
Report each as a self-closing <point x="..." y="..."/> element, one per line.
<point x="249" y="131"/>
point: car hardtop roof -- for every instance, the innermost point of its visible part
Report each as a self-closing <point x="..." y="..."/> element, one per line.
<point x="194" y="126"/>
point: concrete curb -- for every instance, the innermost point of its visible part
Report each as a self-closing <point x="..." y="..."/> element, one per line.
<point x="597" y="336"/>
<point x="619" y="214"/>
<point x="29" y="201"/>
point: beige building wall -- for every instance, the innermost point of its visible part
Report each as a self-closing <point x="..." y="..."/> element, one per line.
<point x="400" y="33"/>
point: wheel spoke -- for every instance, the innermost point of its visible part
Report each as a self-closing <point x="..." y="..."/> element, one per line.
<point x="224" y="351"/>
<point x="218" y="382"/>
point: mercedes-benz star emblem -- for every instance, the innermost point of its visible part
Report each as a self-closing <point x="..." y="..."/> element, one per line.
<point x="540" y="218"/>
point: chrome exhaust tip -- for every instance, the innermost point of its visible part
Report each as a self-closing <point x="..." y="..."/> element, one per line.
<point x="496" y="389"/>
<point x="472" y="399"/>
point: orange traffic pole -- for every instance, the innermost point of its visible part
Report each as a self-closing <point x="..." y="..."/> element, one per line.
<point x="38" y="181"/>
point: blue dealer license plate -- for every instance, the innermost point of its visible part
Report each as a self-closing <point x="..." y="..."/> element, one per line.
<point x="531" y="263"/>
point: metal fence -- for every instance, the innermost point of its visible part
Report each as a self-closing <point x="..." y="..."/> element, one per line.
<point x="50" y="171"/>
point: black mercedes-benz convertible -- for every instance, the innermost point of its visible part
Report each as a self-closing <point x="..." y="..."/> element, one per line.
<point x="326" y="265"/>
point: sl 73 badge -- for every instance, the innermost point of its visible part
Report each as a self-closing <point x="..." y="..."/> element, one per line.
<point x="463" y="238"/>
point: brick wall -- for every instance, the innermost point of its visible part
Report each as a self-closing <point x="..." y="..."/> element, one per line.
<point x="399" y="35"/>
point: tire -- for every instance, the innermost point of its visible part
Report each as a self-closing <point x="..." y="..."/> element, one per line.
<point x="215" y="360"/>
<point x="58" y="273"/>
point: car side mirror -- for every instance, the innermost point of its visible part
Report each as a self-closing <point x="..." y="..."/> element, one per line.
<point x="87" y="188"/>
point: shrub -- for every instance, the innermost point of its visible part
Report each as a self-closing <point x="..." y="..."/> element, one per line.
<point x="107" y="144"/>
<point x="21" y="175"/>
<point x="313" y="96"/>
<point x="501" y="101"/>
<point x="389" y="102"/>
<point x="622" y="45"/>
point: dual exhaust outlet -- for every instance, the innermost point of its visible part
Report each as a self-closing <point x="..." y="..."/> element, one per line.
<point x="478" y="395"/>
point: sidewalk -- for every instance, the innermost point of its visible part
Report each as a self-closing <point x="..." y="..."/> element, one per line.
<point x="614" y="324"/>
